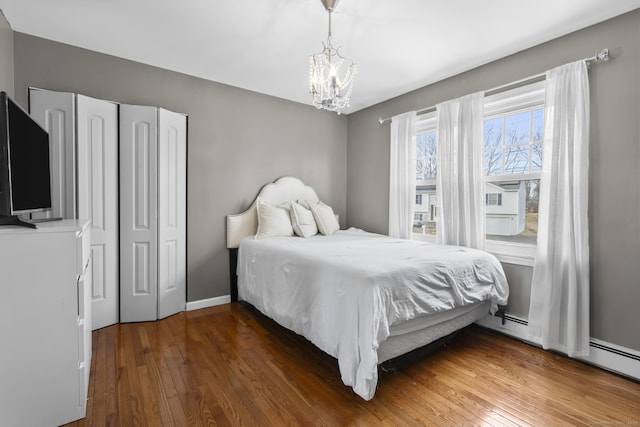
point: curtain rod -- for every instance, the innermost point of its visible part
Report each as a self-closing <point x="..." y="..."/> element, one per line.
<point x="601" y="56"/>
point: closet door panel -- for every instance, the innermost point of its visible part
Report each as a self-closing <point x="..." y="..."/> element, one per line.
<point x="98" y="201"/>
<point x="55" y="112"/>
<point x="138" y="219"/>
<point x="172" y="150"/>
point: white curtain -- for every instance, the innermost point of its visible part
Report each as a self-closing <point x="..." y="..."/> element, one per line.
<point x="559" y="311"/>
<point x="460" y="181"/>
<point x="402" y="174"/>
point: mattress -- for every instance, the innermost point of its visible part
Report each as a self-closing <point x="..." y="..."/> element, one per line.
<point x="348" y="292"/>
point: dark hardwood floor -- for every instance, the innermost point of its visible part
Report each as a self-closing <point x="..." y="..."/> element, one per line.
<point x="229" y="365"/>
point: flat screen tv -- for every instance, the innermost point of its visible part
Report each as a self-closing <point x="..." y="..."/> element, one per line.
<point x="25" y="180"/>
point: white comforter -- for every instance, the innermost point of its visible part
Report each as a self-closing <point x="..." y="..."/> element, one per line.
<point x="343" y="292"/>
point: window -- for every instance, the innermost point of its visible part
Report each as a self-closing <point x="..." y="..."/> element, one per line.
<point x="513" y="135"/>
<point x="493" y="199"/>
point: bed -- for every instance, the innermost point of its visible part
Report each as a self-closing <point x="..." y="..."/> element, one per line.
<point x="361" y="297"/>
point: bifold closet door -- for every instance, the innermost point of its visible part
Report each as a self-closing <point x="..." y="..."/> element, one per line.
<point x="152" y="213"/>
<point x="55" y="112"/>
<point x="172" y="212"/>
<point x="97" y="168"/>
<point x="138" y="213"/>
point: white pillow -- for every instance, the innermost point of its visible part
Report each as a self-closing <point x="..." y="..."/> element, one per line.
<point x="273" y="221"/>
<point x="302" y="220"/>
<point x="325" y="218"/>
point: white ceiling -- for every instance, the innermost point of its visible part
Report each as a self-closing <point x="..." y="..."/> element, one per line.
<point x="264" y="45"/>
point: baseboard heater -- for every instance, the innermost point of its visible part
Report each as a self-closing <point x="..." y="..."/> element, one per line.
<point x="610" y="360"/>
<point x="601" y="346"/>
<point x="515" y="319"/>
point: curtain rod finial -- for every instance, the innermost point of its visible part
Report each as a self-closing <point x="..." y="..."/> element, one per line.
<point x="603" y="55"/>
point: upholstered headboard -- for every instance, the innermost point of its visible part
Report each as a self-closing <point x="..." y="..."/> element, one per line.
<point x="282" y="190"/>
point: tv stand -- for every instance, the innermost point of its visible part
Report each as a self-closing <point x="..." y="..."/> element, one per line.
<point x="15" y="220"/>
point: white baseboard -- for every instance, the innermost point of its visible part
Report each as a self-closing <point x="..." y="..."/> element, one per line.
<point x="209" y="302"/>
<point x="611" y="357"/>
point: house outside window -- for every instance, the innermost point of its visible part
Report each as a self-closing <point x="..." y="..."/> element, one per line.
<point x="513" y="135"/>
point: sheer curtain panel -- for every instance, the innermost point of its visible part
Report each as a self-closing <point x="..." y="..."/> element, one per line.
<point x="460" y="180"/>
<point x="559" y="311"/>
<point x="402" y="174"/>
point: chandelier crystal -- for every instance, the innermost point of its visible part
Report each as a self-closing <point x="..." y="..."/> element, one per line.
<point x="330" y="74"/>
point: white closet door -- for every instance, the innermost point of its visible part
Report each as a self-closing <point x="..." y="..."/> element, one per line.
<point x="138" y="210"/>
<point x="98" y="201"/>
<point x="55" y="112"/>
<point x="172" y="212"/>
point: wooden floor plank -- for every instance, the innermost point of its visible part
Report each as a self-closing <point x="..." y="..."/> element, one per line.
<point x="123" y="394"/>
<point x="229" y="365"/>
<point x="136" y="396"/>
<point x="98" y="413"/>
<point x="165" y="369"/>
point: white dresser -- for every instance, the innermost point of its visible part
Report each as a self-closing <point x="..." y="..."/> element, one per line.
<point x="45" y="323"/>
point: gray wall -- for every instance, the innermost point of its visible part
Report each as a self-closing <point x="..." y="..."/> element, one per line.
<point x="6" y="56"/>
<point x="238" y="140"/>
<point x="614" y="197"/>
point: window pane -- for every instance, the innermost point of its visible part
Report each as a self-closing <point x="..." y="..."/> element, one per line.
<point x="426" y="151"/>
<point x="493" y="162"/>
<point x="518" y="127"/>
<point x="425" y="168"/>
<point x="493" y="132"/>
<point x="538" y="124"/>
<point x="536" y="157"/>
<point x="512" y="210"/>
<point x="516" y="159"/>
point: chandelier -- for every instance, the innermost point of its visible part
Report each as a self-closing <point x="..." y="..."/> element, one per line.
<point x="331" y="75"/>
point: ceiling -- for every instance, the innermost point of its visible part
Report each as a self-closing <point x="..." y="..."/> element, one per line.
<point x="264" y="45"/>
